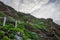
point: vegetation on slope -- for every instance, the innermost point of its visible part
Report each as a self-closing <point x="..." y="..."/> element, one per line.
<point x="44" y="31"/>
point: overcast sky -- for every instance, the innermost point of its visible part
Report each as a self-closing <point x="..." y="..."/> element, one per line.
<point x="37" y="8"/>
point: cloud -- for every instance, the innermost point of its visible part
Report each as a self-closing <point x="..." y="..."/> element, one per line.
<point x="50" y="10"/>
<point x="30" y="5"/>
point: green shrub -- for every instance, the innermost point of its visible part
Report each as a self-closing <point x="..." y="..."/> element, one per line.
<point x="10" y="26"/>
<point x="11" y="36"/>
<point x="5" y="38"/>
<point x="14" y="29"/>
<point x="5" y="28"/>
<point x="2" y="33"/>
<point x="30" y="35"/>
<point x="2" y="14"/>
<point x="21" y="26"/>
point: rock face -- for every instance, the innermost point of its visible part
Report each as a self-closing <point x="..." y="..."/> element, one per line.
<point x="31" y="28"/>
<point x="7" y="10"/>
<point x="18" y="37"/>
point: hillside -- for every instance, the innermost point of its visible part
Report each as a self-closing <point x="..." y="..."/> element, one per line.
<point x="28" y="27"/>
